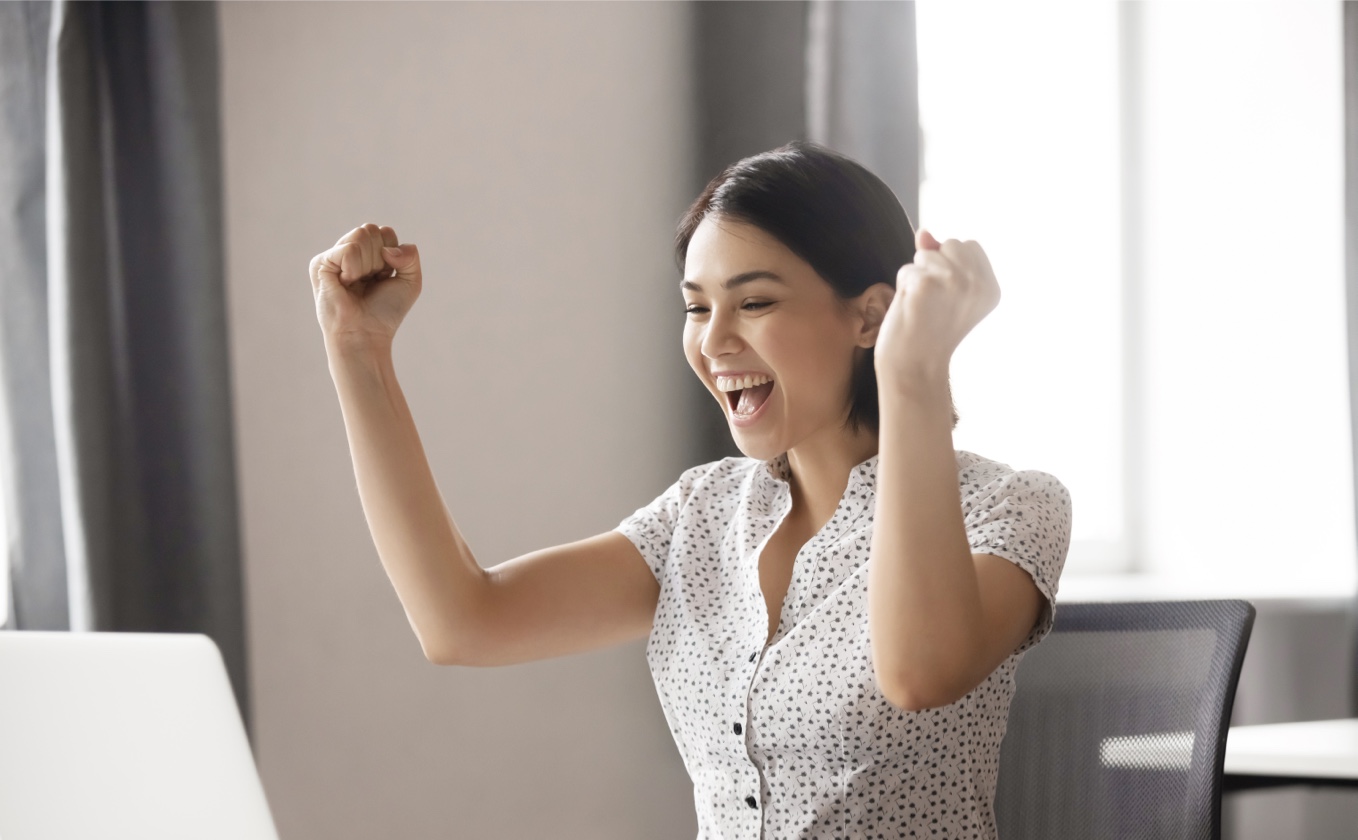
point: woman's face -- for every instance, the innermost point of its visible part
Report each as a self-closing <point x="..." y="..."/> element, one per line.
<point x="775" y="318"/>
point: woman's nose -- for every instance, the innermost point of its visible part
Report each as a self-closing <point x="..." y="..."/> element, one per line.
<point x="720" y="337"/>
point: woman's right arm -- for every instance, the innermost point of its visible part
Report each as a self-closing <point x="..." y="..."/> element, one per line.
<point x="566" y="599"/>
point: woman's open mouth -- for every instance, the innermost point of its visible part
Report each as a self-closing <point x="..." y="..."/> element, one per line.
<point x="745" y="395"/>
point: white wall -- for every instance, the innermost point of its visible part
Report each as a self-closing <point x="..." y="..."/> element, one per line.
<point x="538" y="154"/>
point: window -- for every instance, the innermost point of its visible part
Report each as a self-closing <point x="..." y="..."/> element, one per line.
<point x="1160" y="190"/>
<point x="4" y="536"/>
<point x="1019" y="115"/>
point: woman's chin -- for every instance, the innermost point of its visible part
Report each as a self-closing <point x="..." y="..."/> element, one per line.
<point x="757" y="449"/>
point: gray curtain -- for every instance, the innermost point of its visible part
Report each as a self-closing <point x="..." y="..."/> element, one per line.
<point x="1350" y="35"/>
<point x="119" y="468"/>
<point x="839" y="73"/>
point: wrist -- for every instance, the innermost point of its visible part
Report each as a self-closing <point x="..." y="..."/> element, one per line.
<point x="921" y="379"/>
<point x="356" y="347"/>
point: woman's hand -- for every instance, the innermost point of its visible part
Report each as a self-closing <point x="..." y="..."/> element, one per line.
<point x="364" y="286"/>
<point x="940" y="296"/>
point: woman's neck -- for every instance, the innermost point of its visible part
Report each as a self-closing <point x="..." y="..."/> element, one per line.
<point x="820" y="468"/>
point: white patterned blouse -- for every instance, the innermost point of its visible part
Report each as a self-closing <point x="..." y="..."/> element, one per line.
<point x="795" y="739"/>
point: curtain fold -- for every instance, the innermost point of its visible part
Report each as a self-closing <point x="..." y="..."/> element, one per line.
<point x="862" y="89"/>
<point x="120" y="489"/>
<point x="749" y="72"/>
<point x="843" y="74"/>
<point x="1350" y="36"/>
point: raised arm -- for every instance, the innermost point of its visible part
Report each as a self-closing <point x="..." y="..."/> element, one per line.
<point x="573" y="597"/>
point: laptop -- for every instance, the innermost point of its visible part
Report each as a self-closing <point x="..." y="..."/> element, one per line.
<point x="123" y="735"/>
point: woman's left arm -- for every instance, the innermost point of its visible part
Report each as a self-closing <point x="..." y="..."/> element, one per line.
<point x="941" y="619"/>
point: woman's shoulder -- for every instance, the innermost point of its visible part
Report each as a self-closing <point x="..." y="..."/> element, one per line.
<point x="727" y="477"/>
<point x="977" y="472"/>
<point x="973" y="463"/>
<point x="731" y="470"/>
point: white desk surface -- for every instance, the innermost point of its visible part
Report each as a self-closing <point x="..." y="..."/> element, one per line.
<point x="1318" y="748"/>
<point x="1280" y="595"/>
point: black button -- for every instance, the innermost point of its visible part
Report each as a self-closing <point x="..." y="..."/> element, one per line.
<point x="749" y="800"/>
<point x="753" y="655"/>
<point x="737" y="729"/>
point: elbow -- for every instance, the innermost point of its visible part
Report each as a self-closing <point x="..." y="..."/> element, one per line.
<point x="439" y="652"/>
<point x="438" y="655"/>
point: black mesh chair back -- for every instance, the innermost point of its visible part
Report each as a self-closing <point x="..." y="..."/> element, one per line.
<point x="1118" y="724"/>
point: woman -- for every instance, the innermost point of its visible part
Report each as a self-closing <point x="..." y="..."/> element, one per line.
<point x="811" y="693"/>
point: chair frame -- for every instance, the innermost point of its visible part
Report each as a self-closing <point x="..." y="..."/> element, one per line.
<point x="1233" y="620"/>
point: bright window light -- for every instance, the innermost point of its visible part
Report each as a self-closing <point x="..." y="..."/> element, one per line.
<point x="1246" y="417"/>
<point x="1232" y="461"/>
<point x="1019" y="112"/>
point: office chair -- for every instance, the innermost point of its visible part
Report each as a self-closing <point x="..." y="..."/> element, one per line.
<point x="1118" y="724"/>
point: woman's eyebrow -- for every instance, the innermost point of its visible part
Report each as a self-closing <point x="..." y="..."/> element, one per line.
<point x="738" y="280"/>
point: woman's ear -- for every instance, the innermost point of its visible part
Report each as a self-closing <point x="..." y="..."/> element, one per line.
<point x="873" y="304"/>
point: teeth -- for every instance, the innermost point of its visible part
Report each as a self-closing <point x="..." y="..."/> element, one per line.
<point x="736" y="383"/>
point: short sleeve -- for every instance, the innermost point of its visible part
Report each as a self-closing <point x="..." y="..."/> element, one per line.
<point x="1025" y="518"/>
<point x="651" y="528"/>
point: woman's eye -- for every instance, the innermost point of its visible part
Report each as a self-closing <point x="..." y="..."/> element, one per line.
<point x="696" y="310"/>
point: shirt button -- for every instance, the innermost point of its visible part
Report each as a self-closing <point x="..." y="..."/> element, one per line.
<point x="753" y="655"/>
<point x="737" y="729"/>
<point x="749" y="800"/>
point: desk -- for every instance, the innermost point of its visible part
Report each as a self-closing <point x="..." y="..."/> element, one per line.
<point x="1317" y="752"/>
<point x="1272" y="596"/>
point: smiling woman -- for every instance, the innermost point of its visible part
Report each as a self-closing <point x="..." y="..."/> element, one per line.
<point x="880" y="659"/>
<point x="833" y="620"/>
<point x="820" y="210"/>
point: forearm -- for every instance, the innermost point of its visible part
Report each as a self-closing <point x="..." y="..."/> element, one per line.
<point x="435" y="575"/>
<point x="924" y="602"/>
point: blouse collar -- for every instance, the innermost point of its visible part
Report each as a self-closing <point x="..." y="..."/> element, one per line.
<point x="777" y="471"/>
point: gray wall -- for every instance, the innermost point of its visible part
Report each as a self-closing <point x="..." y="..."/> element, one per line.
<point x="1298" y="667"/>
<point x="539" y="155"/>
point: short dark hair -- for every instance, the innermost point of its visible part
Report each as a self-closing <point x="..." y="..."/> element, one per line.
<point x="828" y="209"/>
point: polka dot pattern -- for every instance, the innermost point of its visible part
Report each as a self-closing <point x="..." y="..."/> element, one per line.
<point x="795" y="739"/>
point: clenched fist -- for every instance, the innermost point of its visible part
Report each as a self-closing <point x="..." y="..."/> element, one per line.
<point x="364" y="286"/>
<point x="940" y="297"/>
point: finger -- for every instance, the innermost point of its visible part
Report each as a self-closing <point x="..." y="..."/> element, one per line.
<point x="925" y="240"/>
<point x="405" y="259"/>
<point x="372" y="249"/>
<point x="932" y="261"/>
<point x="353" y="269"/>
<point x="349" y="256"/>
<point x="908" y="277"/>
<point x="389" y="240"/>
<point x="954" y="250"/>
<point x="351" y="236"/>
<point x="325" y="268"/>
